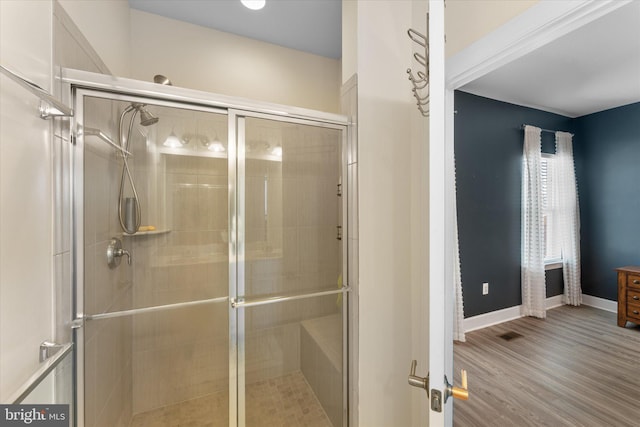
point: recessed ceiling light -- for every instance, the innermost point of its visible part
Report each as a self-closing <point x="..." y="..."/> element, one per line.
<point x="253" y="4"/>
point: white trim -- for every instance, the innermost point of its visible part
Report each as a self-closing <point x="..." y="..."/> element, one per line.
<point x="601" y="303"/>
<point x="506" y="314"/>
<point x="440" y="261"/>
<point x="552" y="265"/>
<point x="553" y="302"/>
<point x="492" y="318"/>
<point x="541" y="24"/>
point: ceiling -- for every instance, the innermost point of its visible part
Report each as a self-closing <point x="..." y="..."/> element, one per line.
<point x="313" y="26"/>
<point x="594" y="68"/>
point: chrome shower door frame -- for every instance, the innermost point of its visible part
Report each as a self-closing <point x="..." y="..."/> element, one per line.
<point x="80" y="317"/>
<point x="81" y="84"/>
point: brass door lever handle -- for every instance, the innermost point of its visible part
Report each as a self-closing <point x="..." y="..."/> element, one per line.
<point x="461" y="393"/>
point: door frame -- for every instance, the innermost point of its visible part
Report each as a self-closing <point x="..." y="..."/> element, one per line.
<point x="539" y="25"/>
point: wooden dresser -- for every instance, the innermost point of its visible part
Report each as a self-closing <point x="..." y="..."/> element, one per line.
<point x="628" y="295"/>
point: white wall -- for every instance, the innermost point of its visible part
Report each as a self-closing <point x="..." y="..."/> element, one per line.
<point x="467" y="21"/>
<point x="26" y="317"/>
<point x="388" y="179"/>
<point x="213" y="61"/>
<point x="349" y="39"/>
<point x="106" y="25"/>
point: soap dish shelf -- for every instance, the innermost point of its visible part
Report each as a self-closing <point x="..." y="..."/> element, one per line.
<point x="146" y="233"/>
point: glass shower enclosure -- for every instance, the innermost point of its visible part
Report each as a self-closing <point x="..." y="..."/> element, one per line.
<point x="209" y="263"/>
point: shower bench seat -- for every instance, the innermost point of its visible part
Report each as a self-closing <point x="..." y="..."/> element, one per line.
<point x="321" y="362"/>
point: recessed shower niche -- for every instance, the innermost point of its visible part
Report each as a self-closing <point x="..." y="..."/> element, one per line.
<point x="233" y="309"/>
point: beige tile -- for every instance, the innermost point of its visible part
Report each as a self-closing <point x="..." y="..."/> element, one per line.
<point x="284" y="401"/>
<point x="163" y="376"/>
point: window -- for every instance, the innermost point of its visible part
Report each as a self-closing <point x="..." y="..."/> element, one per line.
<point x="553" y="252"/>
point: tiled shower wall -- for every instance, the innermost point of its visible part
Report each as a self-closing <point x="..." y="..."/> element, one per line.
<point x="182" y="354"/>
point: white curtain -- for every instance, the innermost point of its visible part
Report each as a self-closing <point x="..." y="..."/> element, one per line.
<point x="458" y="319"/>
<point x="532" y="265"/>
<point x="568" y="216"/>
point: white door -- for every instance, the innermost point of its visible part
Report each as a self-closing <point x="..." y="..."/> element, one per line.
<point x="440" y="228"/>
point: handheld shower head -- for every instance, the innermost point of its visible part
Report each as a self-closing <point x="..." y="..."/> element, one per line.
<point x="146" y="118"/>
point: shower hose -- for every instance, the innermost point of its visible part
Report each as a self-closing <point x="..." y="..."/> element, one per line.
<point x="126" y="174"/>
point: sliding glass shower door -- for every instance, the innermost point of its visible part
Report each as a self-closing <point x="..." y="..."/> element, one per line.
<point x="209" y="265"/>
<point x="290" y="304"/>
<point x="155" y="342"/>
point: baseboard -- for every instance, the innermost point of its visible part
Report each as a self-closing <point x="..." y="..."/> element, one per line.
<point x="506" y="314"/>
<point x="492" y="318"/>
<point x="553" y="302"/>
<point x="601" y="303"/>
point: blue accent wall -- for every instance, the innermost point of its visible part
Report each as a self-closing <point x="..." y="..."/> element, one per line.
<point x="607" y="155"/>
<point x="488" y="153"/>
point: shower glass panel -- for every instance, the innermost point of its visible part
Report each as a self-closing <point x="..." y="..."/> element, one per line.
<point x="293" y="208"/>
<point x="162" y="368"/>
<point x="156" y="336"/>
<point x="293" y="349"/>
<point x="294" y="363"/>
<point x="209" y="265"/>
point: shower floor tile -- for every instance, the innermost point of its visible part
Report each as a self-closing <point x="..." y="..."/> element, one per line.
<point x="286" y="401"/>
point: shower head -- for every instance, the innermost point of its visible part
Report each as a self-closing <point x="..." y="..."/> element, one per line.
<point x="160" y="79"/>
<point x="146" y="118"/>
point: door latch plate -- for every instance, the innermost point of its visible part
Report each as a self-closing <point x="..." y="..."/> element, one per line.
<point x="436" y="400"/>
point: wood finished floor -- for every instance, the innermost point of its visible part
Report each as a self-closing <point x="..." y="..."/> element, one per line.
<point x="576" y="368"/>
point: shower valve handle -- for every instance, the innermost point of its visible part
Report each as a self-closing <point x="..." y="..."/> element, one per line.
<point x="121" y="252"/>
<point x="115" y="253"/>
